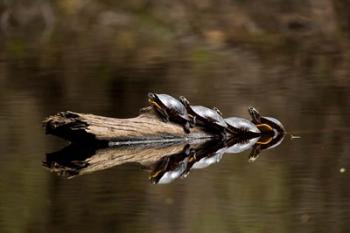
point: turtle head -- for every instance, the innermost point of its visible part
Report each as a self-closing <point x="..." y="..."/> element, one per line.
<point x="255" y="115"/>
<point x="151" y="96"/>
<point x="184" y="101"/>
<point x="217" y="110"/>
<point x="264" y="124"/>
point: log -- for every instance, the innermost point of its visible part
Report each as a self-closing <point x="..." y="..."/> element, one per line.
<point x="106" y="131"/>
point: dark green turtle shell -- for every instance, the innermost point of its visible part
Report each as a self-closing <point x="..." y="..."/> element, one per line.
<point x="241" y="124"/>
<point x="172" y="105"/>
<point x="273" y="122"/>
<point x="207" y="115"/>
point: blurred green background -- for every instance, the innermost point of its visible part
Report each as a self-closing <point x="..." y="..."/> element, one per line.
<point x="290" y="59"/>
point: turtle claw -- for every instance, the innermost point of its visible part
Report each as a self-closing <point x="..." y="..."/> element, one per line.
<point x="254" y="154"/>
<point x="252" y="159"/>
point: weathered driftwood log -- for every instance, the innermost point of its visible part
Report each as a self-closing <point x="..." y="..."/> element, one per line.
<point x="145" y="128"/>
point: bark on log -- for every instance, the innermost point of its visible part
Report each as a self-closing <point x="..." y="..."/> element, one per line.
<point x="145" y="128"/>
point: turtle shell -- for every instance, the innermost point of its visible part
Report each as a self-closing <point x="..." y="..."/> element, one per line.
<point x="242" y="124"/>
<point x="274" y="123"/>
<point x="173" y="106"/>
<point x="207" y="115"/>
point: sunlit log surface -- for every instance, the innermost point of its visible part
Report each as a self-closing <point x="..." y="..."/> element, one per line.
<point x="145" y="128"/>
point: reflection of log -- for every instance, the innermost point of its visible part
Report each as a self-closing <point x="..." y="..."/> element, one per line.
<point x="144" y="155"/>
<point x="145" y="128"/>
<point x="75" y="160"/>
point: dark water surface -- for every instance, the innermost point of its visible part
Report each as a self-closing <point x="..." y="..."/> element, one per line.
<point x="300" y="186"/>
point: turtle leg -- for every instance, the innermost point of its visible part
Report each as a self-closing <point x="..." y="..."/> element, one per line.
<point x="191" y="120"/>
<point x="187" y="149"/>
<point x="163" y="115"/>
<point x="192" y="156"/>
<point x="254" y="154"/>
<point x="187" y="127"/>
<point x="162" y="166"/>
<point x="194" y="120"/>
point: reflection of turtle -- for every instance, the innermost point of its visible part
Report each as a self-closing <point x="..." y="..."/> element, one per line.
<point x="170" y="108"/>
<point x="169" y="175"/>
<point x="236" y="146"/>
<point x="265" y="143"/>
<point x="169" y="168"/>
<point x="207" y="161"/>
<point x="242" y="127"/>
<point x="210" y="119"/>
<point x="207" y="154"/>
<point x="265" y="124"/>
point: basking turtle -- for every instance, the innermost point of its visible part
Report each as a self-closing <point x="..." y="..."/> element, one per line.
<point x="170" y="108"/>
<point x="209" y="119"/>
<point x="242" y="127"/>
<point x="265" y="124"/>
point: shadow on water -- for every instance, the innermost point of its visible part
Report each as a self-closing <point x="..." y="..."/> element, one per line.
<point x="165" y="162"/>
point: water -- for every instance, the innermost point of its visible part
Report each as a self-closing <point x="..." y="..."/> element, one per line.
<point x="299" y="186"/>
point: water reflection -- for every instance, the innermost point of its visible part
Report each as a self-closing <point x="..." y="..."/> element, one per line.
<point x="165" y="162"/>
<point x="265" y="143"/>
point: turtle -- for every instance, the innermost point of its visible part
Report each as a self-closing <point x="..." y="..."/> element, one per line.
<point x="265" y="142"/>
<point x="210" y="119"/>
<point x="170" y="109"/>
<point x="243" y="128"/>
<point x="265" y="124"/>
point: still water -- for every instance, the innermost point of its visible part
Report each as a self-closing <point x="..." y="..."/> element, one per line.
<point x="299" y="186"/>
